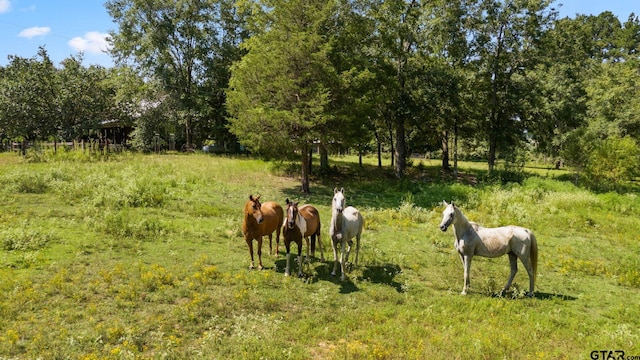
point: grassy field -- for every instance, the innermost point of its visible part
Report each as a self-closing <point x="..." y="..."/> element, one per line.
<point x="141" y="256"/>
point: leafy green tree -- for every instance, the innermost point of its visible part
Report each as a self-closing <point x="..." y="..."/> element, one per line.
<point x="628" y="38"/>
<point x="395" y="49"/>
<point x="443" y="90"/>
<point x="278" y="96"/>
<point x="188" y="45"/>
<point x="84" y="99"/>
<point x="613" y="161"/>
<point x="560" y="82"/>
<point x="506" y="38"/>
<point x="29" y="101"/>
<point x="139" y="104"/>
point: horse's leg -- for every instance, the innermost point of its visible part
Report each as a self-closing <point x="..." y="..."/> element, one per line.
<point x="250" y="244"/>
<point x="270" y="244"/>
<point x="277" y="241"/>
<point x="287" y="246"/>
<point x="513" y="263"/>
<point x="357" y="247"/>
<point x="320" y="245"/>
<point x="344" y="257"/>
<point x="526" y="261"/>
<point x="300" y="257"/>
<point x="335" y="257"/>
<point x="466" y="259"/>
<point x="259" y="253"/>
<point x="349" y="244"/>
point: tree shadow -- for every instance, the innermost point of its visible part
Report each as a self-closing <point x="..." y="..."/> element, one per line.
<point x="383" y="274"/>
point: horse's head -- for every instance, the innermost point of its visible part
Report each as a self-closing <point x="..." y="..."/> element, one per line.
<point x="253" y="208"/>
<point x="338" y="200"/>
<point x="448" y="215"/>
<point x="292" y="214"/>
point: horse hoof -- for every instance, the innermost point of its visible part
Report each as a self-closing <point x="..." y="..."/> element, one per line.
<point x="287" y="274"/>
<point x="333" y="273"/>
<point x="530" y="294"/>
<point x="463" y="293"/>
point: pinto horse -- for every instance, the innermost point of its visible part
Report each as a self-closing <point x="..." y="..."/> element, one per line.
<point x="302" y="222"/>
<point x="346" y="223"/>
<point x="473" y="239"/>
<point x="260" y="220"/>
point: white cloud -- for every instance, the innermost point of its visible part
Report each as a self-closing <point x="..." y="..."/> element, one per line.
<point x="92" y="42"/>
<point x="34" y="31"/>
<point x="5" y="5"/>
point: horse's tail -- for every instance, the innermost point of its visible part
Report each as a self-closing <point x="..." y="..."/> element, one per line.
<point x="533" y="255"/>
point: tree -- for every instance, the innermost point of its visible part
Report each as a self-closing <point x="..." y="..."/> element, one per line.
<point x="29" y="102"/>
<point x="187" y="45"/>
<point x="506" y="39"/>
<point x="445" y="84"/>
<point x="83" y="97"/>
<point x="395" y="47"/>
<point x="613" y="104"/>
<point x="278" y="96"/>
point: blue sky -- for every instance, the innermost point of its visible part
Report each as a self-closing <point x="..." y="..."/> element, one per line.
<point x="66" y="27"/>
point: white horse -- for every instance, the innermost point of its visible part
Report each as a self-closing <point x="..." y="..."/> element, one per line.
<point x="473" y="239"/>
<point x="346" y="223"/>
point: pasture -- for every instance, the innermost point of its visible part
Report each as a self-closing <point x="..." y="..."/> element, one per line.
<point x="142" y="256"/>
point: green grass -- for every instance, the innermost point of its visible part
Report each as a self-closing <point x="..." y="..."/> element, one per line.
<point x="141" y="256"/>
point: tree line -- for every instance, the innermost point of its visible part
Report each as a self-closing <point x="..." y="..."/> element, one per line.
<point x="485" y="78"/>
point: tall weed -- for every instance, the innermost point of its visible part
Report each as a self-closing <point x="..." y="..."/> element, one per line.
<point x="23" y="238"/>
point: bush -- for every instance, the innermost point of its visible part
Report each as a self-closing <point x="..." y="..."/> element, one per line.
<point x="23" y="239"/>
<point x="611" y="162"/>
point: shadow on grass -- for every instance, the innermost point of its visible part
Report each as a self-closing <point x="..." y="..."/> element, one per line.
<point x="515" y="295"/>
<point x="549" y="296"/>
<point x="316" y="271"/>
<point x="383" y="274"/>
<point x="374" y="189"/>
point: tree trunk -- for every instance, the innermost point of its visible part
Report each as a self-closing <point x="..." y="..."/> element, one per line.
<point x="393" y="148"/>
<point x="445" y="151"/>
<point x="379" y="148"/>
<point x="324" y="157"/>
<point x="310" y="160"/>
<point x="493" y="140"/>
<point x="400" y="151"/>
<point x="305" y="169"/>
<point x="189" y="145"/>
<point x="455" y="148"/>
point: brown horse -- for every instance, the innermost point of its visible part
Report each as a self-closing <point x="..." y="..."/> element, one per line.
<point x="259" y="220"/>
<point x="303" y="222"/>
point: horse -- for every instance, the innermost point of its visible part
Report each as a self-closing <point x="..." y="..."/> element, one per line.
<point x="300" y="222"/>
<point x="346" y="223"/>
<point x="260" y="220"/>
<point x="472" y="239"/>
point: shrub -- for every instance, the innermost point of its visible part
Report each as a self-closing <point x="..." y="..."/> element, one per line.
<point x="23" y="239"/>
<point x="612" y="161"/>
